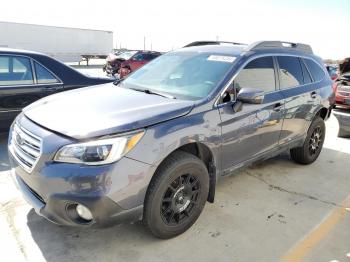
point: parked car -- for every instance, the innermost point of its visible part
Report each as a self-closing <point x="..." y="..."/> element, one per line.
<point x="154" y="147"/>
<point x="332" y="71"/>
<point x="123" y="64"/>
<point x="26" y="76"/>
<point x="114" y="60"/>
<point x="342" y="85"/>
<point x="344" y="123"/>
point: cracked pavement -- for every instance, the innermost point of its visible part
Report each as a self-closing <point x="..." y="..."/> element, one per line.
<point x="262" y="213"/>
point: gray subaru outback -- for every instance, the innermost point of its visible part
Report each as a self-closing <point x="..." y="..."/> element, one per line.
<point x="151" y="147"/>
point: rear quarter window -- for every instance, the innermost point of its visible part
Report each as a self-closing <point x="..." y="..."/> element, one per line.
<point x="316" y="71"/>
<point x="43" y="75"/>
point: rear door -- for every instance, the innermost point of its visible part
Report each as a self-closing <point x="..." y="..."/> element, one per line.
<point x="256" y="128"/>
<point x="300" y="97"/>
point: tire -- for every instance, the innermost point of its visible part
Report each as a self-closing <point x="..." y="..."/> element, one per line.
<point x="176" y="195"/>
<point x="312" y="147"/>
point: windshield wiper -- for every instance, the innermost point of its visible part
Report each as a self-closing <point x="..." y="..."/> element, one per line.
<point x="148" y="91"/>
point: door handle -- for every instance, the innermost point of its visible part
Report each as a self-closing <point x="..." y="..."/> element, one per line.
<point x="313" y="95"/>
<point x="52" y="88"/>
<point x="278" y="107"/>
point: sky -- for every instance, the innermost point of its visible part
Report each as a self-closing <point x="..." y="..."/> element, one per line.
<point x="170" y="24"/>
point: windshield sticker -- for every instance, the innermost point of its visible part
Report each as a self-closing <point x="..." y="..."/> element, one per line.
<point x="222" y="58"/>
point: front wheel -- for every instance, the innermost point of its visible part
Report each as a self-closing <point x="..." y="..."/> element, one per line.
<point x="311" y="149"/>
<point x="176" y="195"/>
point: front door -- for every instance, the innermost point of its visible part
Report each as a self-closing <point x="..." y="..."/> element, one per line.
<point x="256" y="128"/>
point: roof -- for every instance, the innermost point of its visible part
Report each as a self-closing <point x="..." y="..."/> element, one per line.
<point x="220" y="49"/>
<point x="234" y="48"/>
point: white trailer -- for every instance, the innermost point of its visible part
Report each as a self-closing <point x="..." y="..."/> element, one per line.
<point x="63" y="43"/>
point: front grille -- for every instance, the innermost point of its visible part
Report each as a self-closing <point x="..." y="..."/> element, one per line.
<point x="25" y="147"/>
<point x="343" y="93"/>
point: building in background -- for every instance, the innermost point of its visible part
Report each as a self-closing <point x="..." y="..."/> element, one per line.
<point x="63" y="43"/>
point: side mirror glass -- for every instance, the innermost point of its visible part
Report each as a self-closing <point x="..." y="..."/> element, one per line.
<point x="251" y="96"/>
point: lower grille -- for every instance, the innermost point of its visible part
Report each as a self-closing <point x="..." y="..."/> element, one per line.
<point x="343" y="93"/>
<point x="37" y="195"/>
<point x="25" y="147"/>
<point x="34" y="193"/>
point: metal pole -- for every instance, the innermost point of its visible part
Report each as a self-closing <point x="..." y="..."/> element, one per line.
<point x="144" y="43"/>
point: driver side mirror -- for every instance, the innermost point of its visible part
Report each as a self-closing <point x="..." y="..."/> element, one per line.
<point x="251" y="96"/>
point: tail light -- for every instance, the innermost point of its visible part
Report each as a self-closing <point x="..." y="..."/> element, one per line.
<point x="334" y="77"/>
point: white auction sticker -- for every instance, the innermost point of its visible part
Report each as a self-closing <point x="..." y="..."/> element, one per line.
<point x="222" y="58"/>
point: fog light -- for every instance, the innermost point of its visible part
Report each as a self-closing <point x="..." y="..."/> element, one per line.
<point x="84" y="212"/>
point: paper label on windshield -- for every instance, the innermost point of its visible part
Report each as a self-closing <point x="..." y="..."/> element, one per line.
<point x="222" y="58"/>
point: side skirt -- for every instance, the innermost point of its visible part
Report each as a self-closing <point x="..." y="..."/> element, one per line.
<point x="264" y="156"/>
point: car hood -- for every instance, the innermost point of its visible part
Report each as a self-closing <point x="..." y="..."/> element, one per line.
<point x="103" y="110"/>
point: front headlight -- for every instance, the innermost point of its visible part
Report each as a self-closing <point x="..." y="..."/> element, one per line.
<point x="98" y="152"/>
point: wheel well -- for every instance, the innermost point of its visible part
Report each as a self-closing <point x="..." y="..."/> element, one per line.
<point x="323" y="113"/>
<point x="204" y="153"/>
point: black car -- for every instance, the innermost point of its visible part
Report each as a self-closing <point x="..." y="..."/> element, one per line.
<point x="26" y="76"/>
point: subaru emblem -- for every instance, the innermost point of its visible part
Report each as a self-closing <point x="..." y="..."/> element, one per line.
<point x="19" y="139"/>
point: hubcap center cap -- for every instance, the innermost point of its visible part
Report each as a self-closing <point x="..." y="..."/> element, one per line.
<point x="315" y="141"/>
<point x="180" y="199"/>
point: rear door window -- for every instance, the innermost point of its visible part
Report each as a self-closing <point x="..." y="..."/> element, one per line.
<point x="258" y="74"/>
<point x="290" y="72"/>
<point x="43" y="75"/>
<point x="15" y="70"/>
<point x="315" y="70"/>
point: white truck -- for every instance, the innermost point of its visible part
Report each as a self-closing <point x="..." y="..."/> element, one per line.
<point x="64" y="43"/>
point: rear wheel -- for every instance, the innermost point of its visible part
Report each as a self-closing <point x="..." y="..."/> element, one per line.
<point x="311" y="149"/>
<point x="176" y="195"/>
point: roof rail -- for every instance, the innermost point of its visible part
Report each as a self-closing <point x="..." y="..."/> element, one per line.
<point x="200" y="43"/>
<point x="279" y="44"/>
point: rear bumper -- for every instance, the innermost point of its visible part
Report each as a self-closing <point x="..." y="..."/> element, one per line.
<point x="344" y="124"/>
<point x="340" y="101"/>
<point x="56" y="207"/>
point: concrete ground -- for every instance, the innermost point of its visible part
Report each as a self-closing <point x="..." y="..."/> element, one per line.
<point x="275" y="211"/>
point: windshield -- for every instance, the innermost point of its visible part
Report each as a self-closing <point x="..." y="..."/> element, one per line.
<point x="126" y="55"/>
<point x="185" y="75"/>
